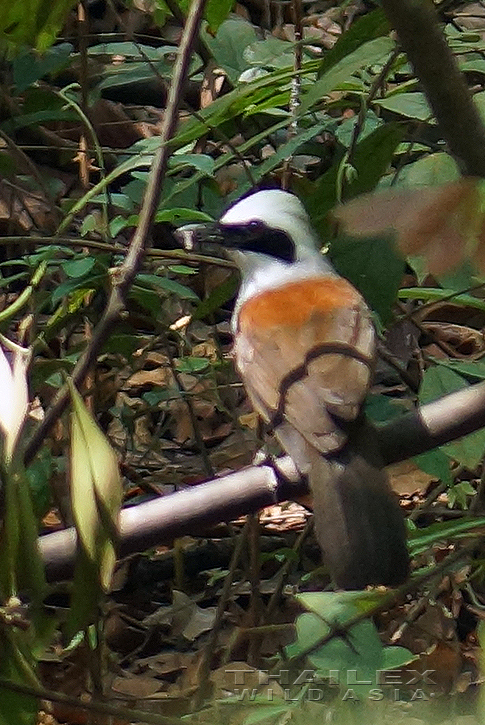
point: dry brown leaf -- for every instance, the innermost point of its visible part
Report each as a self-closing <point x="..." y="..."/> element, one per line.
<point x="406" y="478"/>
<point x="212" y="83"/>
<point x="444" y="223"/>
<point x="136" y="686"/>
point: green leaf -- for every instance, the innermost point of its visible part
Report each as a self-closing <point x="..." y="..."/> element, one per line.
<point x="346" y="129"/>
<point x="39" y="475"/>
<point x="181" y="214"/>
<point x="17" y="665"/>
<point x="70" y="286"/>
<point x="267" y="713"/>
<point x="473" y="369"/>
<point x="134" y="51"/>
<point x="96" y="490"/>
<point x="459" y="494"/>
<point x="200" y="162"/>
<point x="435" y="294"/>
<point x="422" y="539"/>
<point x="479" y="100"/>
<point x="123" y="344"/>
<point x="412" y="105"/>
<point x="336" y="607"/>
<point x="373" y="267"/>
<point x="76" y="268"/>
<point x="146" y="298"/>
<point x="271" y="52"/>
<point x="430" y="170"/>
<point x="36" y="23"/>
<point x="167" y="285"/>
<point x="285" y="151"/>
<point x="216" y="12"/>
<point x="382" y="409"/>
<point x="228" y="46"/>
<point x="437" y="382"/>
<point x="373" y="156"/>
<point x="182" y="269"/>
<point x="360" y="649"/>
<point x="435" y="463"/>
<point x="21" y="565"/>
<point x="192" y="364"/>
<point x="364" y="56"/>
<point x="34" y="119"/>
<point x="371" y="159"/>
<point x="29" y="67"/>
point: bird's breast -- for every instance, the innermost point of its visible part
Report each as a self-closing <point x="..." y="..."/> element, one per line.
<point x="292" y="304"/>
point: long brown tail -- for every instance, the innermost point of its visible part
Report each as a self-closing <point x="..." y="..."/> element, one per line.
<point x="358" y="522"/>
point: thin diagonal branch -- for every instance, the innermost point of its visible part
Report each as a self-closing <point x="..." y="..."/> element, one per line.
<point x="124" y="275"/>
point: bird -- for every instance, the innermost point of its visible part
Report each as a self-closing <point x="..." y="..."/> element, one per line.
<point x="305" y="348"/>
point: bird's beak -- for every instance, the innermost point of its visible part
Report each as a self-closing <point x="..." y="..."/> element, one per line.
<point x="200" y="237"/>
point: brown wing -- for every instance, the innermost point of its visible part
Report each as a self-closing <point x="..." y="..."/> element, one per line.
<point x="318" y="361"/>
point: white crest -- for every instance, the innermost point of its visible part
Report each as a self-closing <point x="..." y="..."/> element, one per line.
<point x="277" y="210"/>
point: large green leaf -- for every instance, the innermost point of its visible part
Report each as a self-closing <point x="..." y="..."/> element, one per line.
<point x="422" y="539"/>
<point x="29" y="67"/>
<point x="412" y="105"/>
<point x="229" y="44"/>
<point x="359" y="650"/>
<point x="435" y="294"/>
<point x="373" y="266"/>
<point x="216" y="11"/>
<point x="370" y="160"/>
<point x="35" y="23"/>
<point x="430" y="170"/>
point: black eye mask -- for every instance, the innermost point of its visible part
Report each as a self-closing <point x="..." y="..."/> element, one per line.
<point x="251" y="237"/>
<point x="256" y="237"/>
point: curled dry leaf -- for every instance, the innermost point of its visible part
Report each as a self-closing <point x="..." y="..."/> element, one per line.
<point x="445" y="224"/>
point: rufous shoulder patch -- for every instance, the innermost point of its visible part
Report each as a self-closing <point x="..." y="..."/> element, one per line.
<point x="293" y="303"/>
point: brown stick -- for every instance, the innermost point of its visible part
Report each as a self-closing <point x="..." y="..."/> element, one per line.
<point x="124" y="275"/>
<point x="417" y="26"/>
<point x="248" y="490"/>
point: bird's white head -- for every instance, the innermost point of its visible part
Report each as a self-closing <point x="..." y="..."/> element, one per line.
<point x="276" y="220"/>
<point x="269" y="236"/>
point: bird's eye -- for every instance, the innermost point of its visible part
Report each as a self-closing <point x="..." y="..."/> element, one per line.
<point x="255" y="225"/>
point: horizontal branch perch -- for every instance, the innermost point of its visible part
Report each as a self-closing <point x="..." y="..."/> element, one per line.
<point x="193" y="509"/>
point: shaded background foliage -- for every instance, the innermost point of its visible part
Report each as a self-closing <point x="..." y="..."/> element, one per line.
<point x="331" y="115"/>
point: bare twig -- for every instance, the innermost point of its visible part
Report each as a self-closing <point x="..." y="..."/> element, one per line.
<point x="295" y="87"/>
<point x="102" y="708"/>
<point x="124" y="275"/>
<point x="210" y="648"/>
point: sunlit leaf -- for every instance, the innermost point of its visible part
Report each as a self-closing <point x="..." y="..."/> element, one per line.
<point x="95" y="489"/>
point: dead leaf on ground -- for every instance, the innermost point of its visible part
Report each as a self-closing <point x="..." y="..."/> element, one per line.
<point x="136" y="686"/>
<point x="407" y="479"/>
